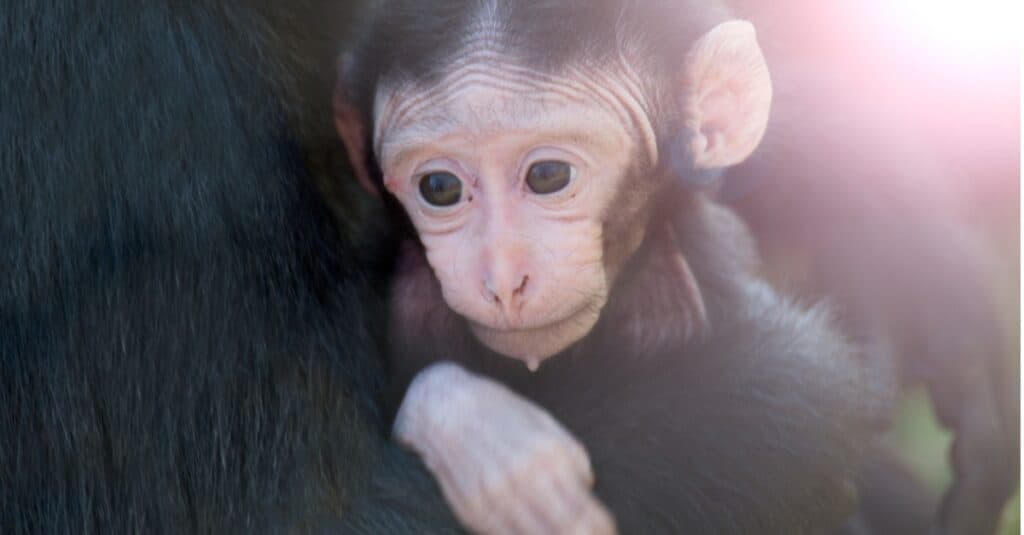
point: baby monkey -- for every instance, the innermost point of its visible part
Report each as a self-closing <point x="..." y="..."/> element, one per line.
<point x="539" y="151"/>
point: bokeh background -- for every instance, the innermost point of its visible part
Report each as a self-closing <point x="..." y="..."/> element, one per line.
<point x="951" y="68"/>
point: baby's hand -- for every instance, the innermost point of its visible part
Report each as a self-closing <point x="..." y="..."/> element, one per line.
<point x="504" y="464"/>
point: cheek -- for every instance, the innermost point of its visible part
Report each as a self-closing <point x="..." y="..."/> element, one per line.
<point x="568" y="267"/>
<point x="452" y="260"/>
<point x="563" y="248"/>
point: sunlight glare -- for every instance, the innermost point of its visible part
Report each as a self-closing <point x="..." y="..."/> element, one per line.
<point x="956" y="26"/>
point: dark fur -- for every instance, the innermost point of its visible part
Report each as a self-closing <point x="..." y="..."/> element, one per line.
<point x="760" y="426"/>
<point x="185" y="340"/>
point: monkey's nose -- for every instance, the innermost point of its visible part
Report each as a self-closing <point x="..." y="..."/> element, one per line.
<point x="509" y="294"/>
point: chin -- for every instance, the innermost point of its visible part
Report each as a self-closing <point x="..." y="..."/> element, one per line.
<point x="536" y="344"/>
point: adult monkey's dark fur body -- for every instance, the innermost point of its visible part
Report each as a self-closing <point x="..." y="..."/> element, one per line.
<point x="757" y="427"/>
<point x="184" y="335"/>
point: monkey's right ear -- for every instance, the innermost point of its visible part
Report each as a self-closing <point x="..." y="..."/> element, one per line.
<point x="349" y="123"/>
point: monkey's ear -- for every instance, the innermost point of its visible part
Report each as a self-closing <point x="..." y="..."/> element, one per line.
<point x="349" y="123"/>
<point x="730" y="94"/>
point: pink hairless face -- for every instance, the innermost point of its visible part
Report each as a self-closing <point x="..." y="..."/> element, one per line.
<point x="529" y="189"/>
<point x="509" y="176"/>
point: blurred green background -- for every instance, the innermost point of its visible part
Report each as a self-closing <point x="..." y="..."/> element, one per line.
<point x="924" y="445"/>
<point x="917" y="436"/>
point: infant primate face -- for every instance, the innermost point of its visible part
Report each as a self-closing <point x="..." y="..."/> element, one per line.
<point x="510" y="177"/>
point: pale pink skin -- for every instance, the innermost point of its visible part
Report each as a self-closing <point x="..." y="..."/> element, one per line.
<point x="528" y="271"/>
<point x="532" y="477"/>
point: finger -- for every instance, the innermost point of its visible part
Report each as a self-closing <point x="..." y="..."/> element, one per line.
<point x="572" y="451"/>
<point x="534" y="501"/>
<point x="521" y="512"/>
<point x="585" y="514"/>
<point x="593" y="520"/>
<point x="465" y="503"/>
<point x="581" y="463"/>
<point x="563" y="452"/>
<point x="554" y="505"/>
<point x="501" y="493"/>
<point x="466" y="487"/>
<point x="530" y="500"/>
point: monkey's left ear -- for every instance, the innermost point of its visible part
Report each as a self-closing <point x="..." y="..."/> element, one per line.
<point x="729" y="95"/>
<point x="349" y="124"/>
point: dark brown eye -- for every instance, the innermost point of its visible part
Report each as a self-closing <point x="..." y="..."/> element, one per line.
<point x="548" y="177"/>
<point x="441" y="189"/>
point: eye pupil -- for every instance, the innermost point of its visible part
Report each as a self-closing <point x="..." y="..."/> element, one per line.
<point x="548" y="177"/>
<point x="441" y="189"/>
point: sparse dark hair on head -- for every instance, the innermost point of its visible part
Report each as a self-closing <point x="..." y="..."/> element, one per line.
<point x="413" y="40"/>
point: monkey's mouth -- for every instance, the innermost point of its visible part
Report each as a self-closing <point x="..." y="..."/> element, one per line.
<point x="531" y="324"/>
<point x="536" y="343"/>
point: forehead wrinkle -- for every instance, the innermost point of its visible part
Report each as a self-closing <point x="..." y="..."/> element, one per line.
<point x="483" y="62"/>
<point x="622" y="75"/>
<point x="440" y="117"/>
<point x="473" y="72"/>
<point x="483" y="58"/>
<point x="631" y="105"/>
<point x="527" y="118"/>
<point x="527" y="114"/>
<point x="400" y="104"/>
<point x="443" y="96"/>
<point x="616" y="92"/>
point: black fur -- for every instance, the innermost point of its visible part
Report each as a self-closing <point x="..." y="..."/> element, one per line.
<point x="760" y="426"/>
<point x="185" y="335"/>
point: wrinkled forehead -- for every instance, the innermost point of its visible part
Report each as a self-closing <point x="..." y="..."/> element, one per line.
<point x="487" y="92"/>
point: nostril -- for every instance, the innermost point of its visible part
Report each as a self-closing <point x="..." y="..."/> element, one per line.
<point x="504" y="294"/>
<point x="522" y="286"/>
